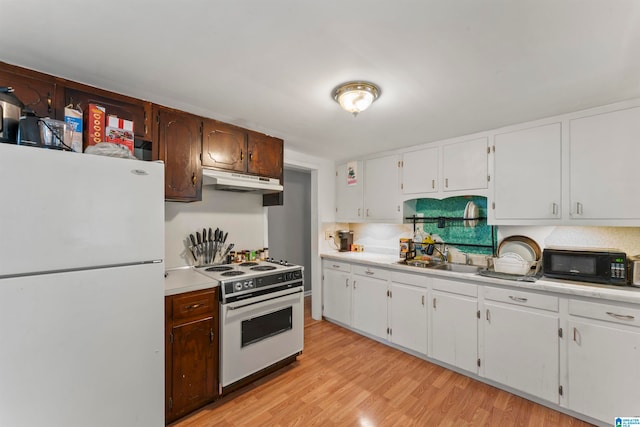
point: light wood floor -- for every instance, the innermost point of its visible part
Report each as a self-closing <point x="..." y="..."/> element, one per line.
<point x="344" y="379"/>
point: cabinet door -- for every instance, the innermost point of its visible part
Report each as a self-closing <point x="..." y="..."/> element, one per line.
<point x="116" y="105"/>
<point x="224" y="146"/>
<point x="180" y="148"/>
<point x="370" y="305"/>
<point x="420" y="171"/>
<point x="604" y="154"/>
<point x="408" y="317"/>
<point x="527" y="176"/>
<point x="34" y="93"/>
<point x="349" y="193"/>
<point x="337" y="296"/>
<point x="521" y="349"/>
<point x="265" y="155"/>
<point x="454" y="330"/>
<point x="465" y="165"/>
<point x="382" y="189"/>
<point x="193" y="371"/>
<point x="603" y="370"/>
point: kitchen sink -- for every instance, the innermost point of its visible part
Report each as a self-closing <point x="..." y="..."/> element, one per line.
<point x="431" y="265"/>
<point x="456" y="268"/>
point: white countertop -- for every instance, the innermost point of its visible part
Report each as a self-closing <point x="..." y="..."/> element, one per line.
<point x="186" y="279"/>
<point x="606" y="292"/>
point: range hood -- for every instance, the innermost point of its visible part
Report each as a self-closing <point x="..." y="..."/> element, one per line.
<point x="231" y="181"/>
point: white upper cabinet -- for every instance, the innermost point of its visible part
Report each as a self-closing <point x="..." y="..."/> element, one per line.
<point x="369" y="190"/>
<point x="604" y="153"/>
<point x="382" y="189"/>
<point x="465" y="165"/>
<point x="527" y="175"/>
<point x="349" y="192"/>
<point x="420" y="171"/>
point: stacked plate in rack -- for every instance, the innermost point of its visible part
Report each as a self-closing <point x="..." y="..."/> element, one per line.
<point x="518" y="255"/>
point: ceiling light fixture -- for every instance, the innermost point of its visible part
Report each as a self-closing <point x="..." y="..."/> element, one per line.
<point x="355" y="97"/>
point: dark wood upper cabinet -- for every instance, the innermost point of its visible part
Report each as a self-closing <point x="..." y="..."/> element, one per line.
<point x="116" y="105"/>
<point x="265" y="155"/>
<point x="179" y="146"/>
<point x="224" y="146"/>
<point x="34" y="90"/>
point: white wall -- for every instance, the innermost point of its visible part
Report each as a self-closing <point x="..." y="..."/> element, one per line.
<point x="322" y="210"/>
<point x="240" y="214"/>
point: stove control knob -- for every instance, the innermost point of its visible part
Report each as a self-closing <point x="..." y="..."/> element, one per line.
<point x="237" y="286"/>
<point x="247" y="285"/>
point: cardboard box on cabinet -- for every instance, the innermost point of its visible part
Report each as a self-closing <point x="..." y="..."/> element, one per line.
<point x="120" y="131"/>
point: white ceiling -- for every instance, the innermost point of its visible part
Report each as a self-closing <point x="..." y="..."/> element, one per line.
<point x="445" y="67"/>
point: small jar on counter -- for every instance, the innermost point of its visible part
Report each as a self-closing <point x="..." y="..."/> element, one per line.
<point x="265" y="253"/>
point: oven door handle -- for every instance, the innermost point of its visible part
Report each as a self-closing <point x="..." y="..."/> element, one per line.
<point x="236" y="307"/>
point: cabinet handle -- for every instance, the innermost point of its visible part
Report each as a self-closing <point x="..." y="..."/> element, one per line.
<point x="241" y="155"/>
<point x="211" y="334"/>
<point x="146" y="129"/>
<point x="579" y="208"/>
<point x="434" y="303"/>
<point x="433" y="184"/>
<point x="370" y="273"/>
<point x="49" y="103"/>
<point x="347" y="281"/>
<point x="193" y="306"/>
<point x="517" y="299"/>
<point x="555" y="209"/>
<point x="358" y="212"/>
<point x="446" y="182"/>
<point x="423" y="300"/>
<point x="488" y="316"/>
<point x="367" y="211"/>
<point x="194" y="179"/>
<point x="621" y="316"/>
<point x="335" y="266"/>
<point x="575" y="333"/>
<point x="354" y="284"/>
<point x="250" y="156"/>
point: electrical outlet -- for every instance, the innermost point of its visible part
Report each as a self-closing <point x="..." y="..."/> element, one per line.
<point x="328" y="235"/>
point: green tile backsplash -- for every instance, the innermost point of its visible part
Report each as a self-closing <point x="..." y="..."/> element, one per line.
<point x="449" y="212"/>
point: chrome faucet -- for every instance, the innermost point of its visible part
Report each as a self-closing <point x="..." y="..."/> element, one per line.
<point x="444" y="254"/>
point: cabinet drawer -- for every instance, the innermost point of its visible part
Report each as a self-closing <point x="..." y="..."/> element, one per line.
<point x="527" y="299"/>
<point x="194" y="305"/>
<point x="378" y="273"/>
<point x="337" y="265"/>
<point x="606" y="312"/>
<point x="455" y="287"/>
<point x="410" y="279"/>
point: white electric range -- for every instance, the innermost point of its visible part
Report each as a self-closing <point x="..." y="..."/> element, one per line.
<point x="261" y="318"/>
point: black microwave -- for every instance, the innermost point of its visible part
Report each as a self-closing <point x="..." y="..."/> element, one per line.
<point x="605" y="266"/>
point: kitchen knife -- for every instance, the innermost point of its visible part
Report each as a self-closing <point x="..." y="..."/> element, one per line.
<point x="199" y="240"/>
<point x="224" y="239"/>
<point x="227" y="251"/>
<point x="193" y="247"/>
<point x="204" y="244"/>
<point x="216" y="237"/>
<point x="210" y="248"/>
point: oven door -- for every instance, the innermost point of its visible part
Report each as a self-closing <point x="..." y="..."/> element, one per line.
<point x="260" y="331"/>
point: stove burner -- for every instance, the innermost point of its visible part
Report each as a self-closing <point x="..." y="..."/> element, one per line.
<point x="233" y="273"/>
<point x="219" y="268"/>
<point x="248" y="264"/>
<point x="263" y="268"/>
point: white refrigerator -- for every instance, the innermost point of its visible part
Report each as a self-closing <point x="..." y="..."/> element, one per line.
<point x="81" y="289"/>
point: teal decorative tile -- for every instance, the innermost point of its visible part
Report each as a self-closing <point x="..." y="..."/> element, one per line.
<point x="449" y="212"/>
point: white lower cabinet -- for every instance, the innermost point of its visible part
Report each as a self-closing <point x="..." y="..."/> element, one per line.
<point x="336" y="304"/>
<point x="454" y="324"/>
<point x="408" y="311"/>
<point x="513" y="334"/>
<point x="603" y="360"/>
<point x="370" y="287"/>
<point x="521" y="341"/>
